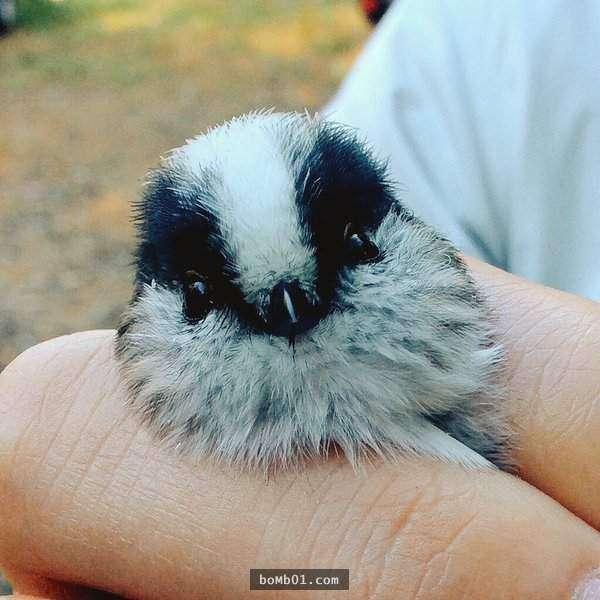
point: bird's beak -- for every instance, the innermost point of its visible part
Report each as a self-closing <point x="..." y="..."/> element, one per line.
<point x="290" y="311"/>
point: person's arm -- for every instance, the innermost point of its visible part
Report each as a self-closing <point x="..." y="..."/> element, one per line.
<point x="87" y="498"/>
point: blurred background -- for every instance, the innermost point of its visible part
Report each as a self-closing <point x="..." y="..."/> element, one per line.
<point x="93" y="91"/>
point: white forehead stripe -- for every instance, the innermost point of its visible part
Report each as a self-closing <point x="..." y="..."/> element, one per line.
<point x="256" y="200"/>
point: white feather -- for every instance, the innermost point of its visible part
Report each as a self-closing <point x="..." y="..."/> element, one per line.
<point x="367" y="377"/>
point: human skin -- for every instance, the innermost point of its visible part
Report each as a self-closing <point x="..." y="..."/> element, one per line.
<point x="89" y="502"/>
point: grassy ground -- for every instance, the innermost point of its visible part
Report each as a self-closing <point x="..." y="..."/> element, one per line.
<point x="92" y="92"/>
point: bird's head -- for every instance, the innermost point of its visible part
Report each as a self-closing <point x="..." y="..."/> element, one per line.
<point x="256" y="223"/>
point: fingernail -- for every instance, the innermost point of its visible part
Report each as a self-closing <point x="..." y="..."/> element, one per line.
<point x="589" y="588"/>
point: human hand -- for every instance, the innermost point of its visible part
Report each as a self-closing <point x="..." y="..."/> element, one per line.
<point x="89" y="502"/>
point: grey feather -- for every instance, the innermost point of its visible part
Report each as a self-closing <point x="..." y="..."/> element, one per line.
<point x="403" y="361"/>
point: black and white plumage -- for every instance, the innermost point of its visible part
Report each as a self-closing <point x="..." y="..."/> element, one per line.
<point x="286" y="301"/>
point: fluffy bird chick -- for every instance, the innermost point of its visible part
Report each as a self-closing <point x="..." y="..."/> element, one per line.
<point x="287" y="303"/>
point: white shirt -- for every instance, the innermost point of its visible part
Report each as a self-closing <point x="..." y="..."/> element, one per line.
<point x="489" y="111"/>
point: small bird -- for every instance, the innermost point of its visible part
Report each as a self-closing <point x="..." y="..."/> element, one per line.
<point x="286" y="304"/>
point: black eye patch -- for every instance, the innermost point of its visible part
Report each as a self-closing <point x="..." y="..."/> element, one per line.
<point x="174" y="227"/>
<point x="340" y="182"/>
<point x="177" y="234"/>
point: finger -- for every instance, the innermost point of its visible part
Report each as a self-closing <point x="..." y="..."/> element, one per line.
<point x="86" y="497"/>
<point x="28" y="585"/>
<point x="553" y="347"/>
<point x="21" y="597"/>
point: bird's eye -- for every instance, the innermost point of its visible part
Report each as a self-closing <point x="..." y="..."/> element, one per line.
<point x="197" y="296"/>
<point x="359" y="248"/>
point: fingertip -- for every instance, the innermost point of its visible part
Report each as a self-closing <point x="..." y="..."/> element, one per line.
<point x="27" y="586"/>
<point x="29" y="364"/>
<point x="30" y="370"/>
